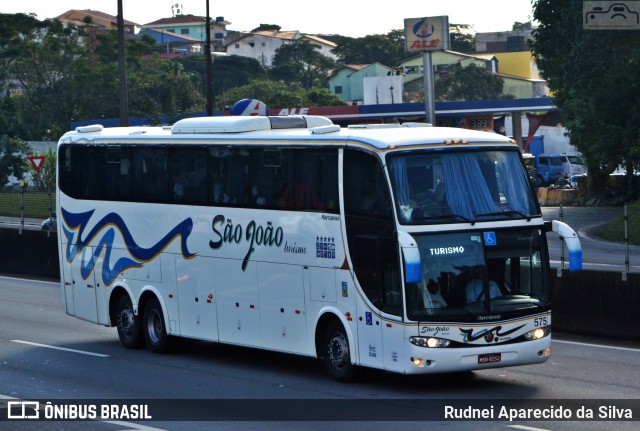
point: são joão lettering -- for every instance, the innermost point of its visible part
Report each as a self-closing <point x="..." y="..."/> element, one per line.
<point x="254" y="234"/>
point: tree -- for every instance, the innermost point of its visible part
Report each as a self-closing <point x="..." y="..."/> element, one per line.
<point x="384" y="49"/>
<point x="267" y="27"/>
<point x="468" y="83"/>
<point x="13" y="157"/>
<point x="280" y="95"/>
<point x="46" y="61"/>
<point x="522" y="26"/>
<point x="274" y="94"/>
<point x="301" y="61"/>
<point x="322" y="97"/>
<point x="58" y="78"/>
<point x="228" y="72"/>
<point x="593" y="77"/>
<point x="461" y="38"/>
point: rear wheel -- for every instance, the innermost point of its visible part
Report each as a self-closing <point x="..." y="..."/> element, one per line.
<point x="128" y="324"/>
<point x="337" y="358"/>
<point x="155" y="331"/>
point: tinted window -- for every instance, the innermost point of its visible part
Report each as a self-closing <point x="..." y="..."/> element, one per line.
<point x="288" y="179"/>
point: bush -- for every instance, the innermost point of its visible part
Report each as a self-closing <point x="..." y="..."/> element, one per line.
<point x="615" y="230"/>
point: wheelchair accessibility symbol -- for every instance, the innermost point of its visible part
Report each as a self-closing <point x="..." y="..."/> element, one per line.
<point x="490" y="239"/>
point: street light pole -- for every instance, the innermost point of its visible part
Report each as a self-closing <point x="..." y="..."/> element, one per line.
<point x="122" y="65"/>
<point x="207" y="53"/>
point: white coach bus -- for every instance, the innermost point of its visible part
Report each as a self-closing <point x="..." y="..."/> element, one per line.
<point x="412" y="249"/>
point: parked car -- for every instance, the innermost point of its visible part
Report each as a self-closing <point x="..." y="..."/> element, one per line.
<point x="50" y="224"/>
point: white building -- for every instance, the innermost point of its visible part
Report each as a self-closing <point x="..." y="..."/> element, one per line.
<point x="262" y="45"/>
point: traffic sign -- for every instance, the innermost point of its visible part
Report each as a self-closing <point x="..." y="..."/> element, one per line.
<point x="37" y="162"/>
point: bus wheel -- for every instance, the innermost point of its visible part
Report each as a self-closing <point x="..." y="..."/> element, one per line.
<point x="155" y="332"/>
<point x="337" y="359"/>
<point x="128" y="324"/>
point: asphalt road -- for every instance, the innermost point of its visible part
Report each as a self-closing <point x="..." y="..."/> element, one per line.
<point x="47" y="355"/>
<point x="597" y="254"/>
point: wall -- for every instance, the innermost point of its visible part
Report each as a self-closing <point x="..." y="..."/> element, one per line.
<point x="32" y="253"/>
<point x="597" y="303"/>
<point x="588" y="302"/>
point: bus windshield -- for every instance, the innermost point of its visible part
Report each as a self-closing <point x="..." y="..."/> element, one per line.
<point x="469" y="273"/>
<point x="462" y="186"/>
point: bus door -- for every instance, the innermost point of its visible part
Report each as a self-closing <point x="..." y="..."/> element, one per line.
<point x="373" y="249"/>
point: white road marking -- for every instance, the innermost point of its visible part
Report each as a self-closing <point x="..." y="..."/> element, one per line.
<point x="55" y="283"/>
<point x="526" y="428"/>
<point x="132" y="426"/>
<point x="628" y="349"/>
<point x="82" y="352"/>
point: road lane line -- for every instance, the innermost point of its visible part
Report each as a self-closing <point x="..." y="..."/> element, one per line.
<point x="526" y="428"/>
<point x="83" y="352"/>
<point x="132" y="426"/>
<point x="628" y="349"/>
<point x="54" y="283"/>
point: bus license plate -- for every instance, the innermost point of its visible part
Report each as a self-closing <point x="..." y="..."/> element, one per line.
<point x="489" y="358"/>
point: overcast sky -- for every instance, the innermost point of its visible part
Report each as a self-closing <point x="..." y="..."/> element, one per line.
<point x="355" y="18"/>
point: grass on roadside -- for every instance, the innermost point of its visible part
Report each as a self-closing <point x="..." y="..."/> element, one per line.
<point x="35" y="204"/>
<point x="615" y="230"/>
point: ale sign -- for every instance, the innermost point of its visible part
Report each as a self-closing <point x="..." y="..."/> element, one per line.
<point x="426" y="34"/>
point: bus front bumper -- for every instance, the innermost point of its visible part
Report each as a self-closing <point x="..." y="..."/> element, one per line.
<point x="422" y="360"/>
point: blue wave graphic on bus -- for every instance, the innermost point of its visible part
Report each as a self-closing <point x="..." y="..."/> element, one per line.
<point x="76" y="223"/>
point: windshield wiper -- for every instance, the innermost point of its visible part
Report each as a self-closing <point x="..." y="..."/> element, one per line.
<point x="511" y="212"/>
<point x="447" y="217"/>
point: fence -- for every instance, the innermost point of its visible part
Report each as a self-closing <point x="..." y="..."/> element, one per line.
<point x="27" y="202"/>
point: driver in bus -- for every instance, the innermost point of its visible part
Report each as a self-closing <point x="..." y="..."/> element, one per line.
<point x="432" y="296"/>
<point x="474" y="291"/>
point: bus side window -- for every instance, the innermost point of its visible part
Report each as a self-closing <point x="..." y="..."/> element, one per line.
<point x="150" y="175"/>
<point x="310" y="180"/>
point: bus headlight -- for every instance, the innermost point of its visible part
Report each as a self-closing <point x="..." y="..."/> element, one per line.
<point x="429" y="341"/>
<point x="538" y="333"/>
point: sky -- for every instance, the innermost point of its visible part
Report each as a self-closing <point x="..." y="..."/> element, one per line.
<point x="354" y="18"/>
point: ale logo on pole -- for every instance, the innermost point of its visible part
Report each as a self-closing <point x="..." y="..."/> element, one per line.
<point x="426" y="34"/>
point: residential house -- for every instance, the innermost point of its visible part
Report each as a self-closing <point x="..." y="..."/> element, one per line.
<point x="521" y="77"/>
<point x="262" y="45"/>
<point x="88" y="18"/>
<point x="503" y="41"/>
<point x="189" y="28"/>
<point x="95" y="22"/>
<point x="171" y="43"/>
<point x="521" y="63"/>
<point x="348" y="81"/>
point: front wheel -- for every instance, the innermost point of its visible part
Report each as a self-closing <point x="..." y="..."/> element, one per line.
<point x="155" y="331"/>
<point x="337" y="358"/>
<point x="128" y="324"/>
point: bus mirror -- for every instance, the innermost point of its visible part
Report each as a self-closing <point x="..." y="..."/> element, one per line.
<point x="570" y="238"/>
<point x="411" y="254"/>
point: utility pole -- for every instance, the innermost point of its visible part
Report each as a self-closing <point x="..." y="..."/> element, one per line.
<point x="124" y="95"/>
<point x="207" y="53"/>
